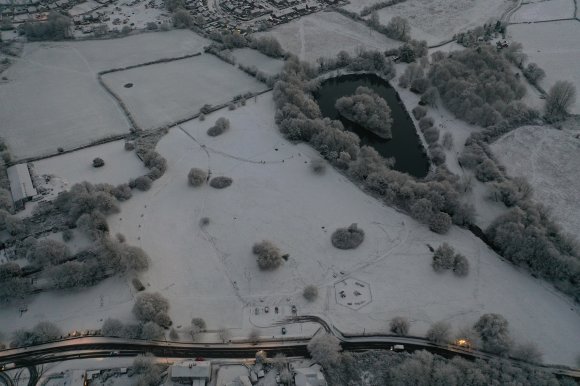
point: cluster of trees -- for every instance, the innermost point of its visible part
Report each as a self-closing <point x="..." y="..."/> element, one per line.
<point x="56" y="27"/>
<point x="478" y="85"/>
<point x="144" y="330"/>
<point x="146" y="371"/>
<point x="14" y="285"/>
<point x="398" y="27"/>
<point x="528" y="237"/>
<point x="258" y="74"/>
<point x="268" y="45"/>
<point x="347" y="238"/>
<point x="445" y="258"/>
<point x="486" y="32"/>
<point x="363" y="60"/>
<point x="268" y="255"/>
<point x="367" y="109"/>
<point x="299" y="119"/>
<point x="42" y="332"/>
<point x="431" y="135"/>
<point x="560" y="98"/>
<point x="424" y="368"/>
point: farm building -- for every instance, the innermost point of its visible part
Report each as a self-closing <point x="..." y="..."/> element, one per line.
<point x="195" y="373"/>
<point x="20" y="185"/>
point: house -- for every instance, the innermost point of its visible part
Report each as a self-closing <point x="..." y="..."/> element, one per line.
<point x="309" y="376"/>
<point x="21" y="185"/>
<point x="195" y="373"/>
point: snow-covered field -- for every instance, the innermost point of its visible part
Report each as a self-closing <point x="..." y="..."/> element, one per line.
<point x="327" y="33"/>
<point x="52" y="98"/>
<point x="438" y="20"/>
<point x="211" y="273"/>
<point x="163" y="93"/>
<point x="544" y="10"/>
<point x="65" y="170"/>
<point x="250" y="57"/>
<point x="83" y="8"/>
<point x="548" y="158"/>
<point x="555" y="47"/>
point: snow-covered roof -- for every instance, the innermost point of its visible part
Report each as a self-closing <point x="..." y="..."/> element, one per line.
<point x="20" y="182"/>
<point x="309" y="376"/>
<point x="192" y="369"/>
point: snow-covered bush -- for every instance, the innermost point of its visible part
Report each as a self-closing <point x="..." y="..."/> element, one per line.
<point x="399" y="326"/>
<point x="440" y="222"/>
<point x="220" y="182"/>
<point x="221" y="125"/>
<point x="347" y="238"/>
<point x="196" y="177"/>
<point x="310" y="293"/>
<point x="268" y="255"/>
<point x="439" y="332"/>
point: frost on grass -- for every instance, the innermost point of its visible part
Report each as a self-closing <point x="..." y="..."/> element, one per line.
<point x="348" y="238"/>
<point x="367" y="109"/>
<point x="220" y="182"/>
<point x="268" y="255"/>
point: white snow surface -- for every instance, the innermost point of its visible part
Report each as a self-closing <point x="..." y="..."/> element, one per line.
<point x="212" y="273"/>
<point x="439" y="20"/>
<point x="52" y="98"/>
<point x="326" y="34"/>
<point x="555" y="47"/>
<point x="162" y="93"/>
<point x="548" y="159"/>
<point x="65" y="170"/>
<point x="544" y="10"/>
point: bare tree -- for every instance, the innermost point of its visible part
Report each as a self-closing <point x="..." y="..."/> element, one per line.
<point x="560" y="97"/>
<point x="224" y="334"/>
<point x="399" y="326"/>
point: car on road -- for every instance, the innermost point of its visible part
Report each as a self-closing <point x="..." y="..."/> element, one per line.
<point x="283" y="330"/>
<point x="266" y="309"/>
<point x="294" y="310"/>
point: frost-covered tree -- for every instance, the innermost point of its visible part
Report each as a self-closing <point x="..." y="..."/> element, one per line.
<point x="443" y="258"/>
<point x="347" y="238"/>
<point x="527" y="352"/>
<point x="268" y="255"/>
<point x="221" y="125"/>
<point x="325" y="349"/>
<point x="440" y="222"/>
<point x="399" y="28"/>
<point x="494" y="333"/>
<point x="112" y="327"/>
<point x="439" y="332"/>
<point x="534" y="73"/>
<point x="196" y="177"/>
<point x="151" y="331"/>
<point x="310" y="293"/>
<point x="367" y="109"/>
<point x="182" y="18"/>
<point x="148" y="305"/>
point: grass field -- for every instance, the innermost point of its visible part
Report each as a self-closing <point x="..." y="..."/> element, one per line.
<point x="249" y="57"/>
<point x="163" y="93"/>
<point x="327" y="33"/>
<point x="544" y="10"/>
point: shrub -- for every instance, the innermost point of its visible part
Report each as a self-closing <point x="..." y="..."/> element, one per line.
<point x="268" y="255"/>
<point x="122" y="192"/>
<point x="196" y="177"/>
<point x="42" y="332"/>
<point x="318" y="166"/>
<point x="347" y="238"/>
<point x="143" y="183"/>
<point x="197" y="325"/>
<point x="443" y="258"/>
<point x="431" y="135"/>
<point x="204" y="221"/>
<point x="460" y="265"/>
<point x="447" y="141"/>
<point x="419" y="112"/>
<point x="437" y="155"/>
<point x="439" y="333"/>
<point x="310" y="293"/>
<point x="440" y="223"/>
<point x="148" y="305"/>
<point x="202" y="117"/>
<point x="221" y="125"/>
<point x="220" y="182"/>
<point x="419" y="85"/>
<point x="399" y="326"/>
<point x="137" y="284"/>
<point x="93" y="224"/>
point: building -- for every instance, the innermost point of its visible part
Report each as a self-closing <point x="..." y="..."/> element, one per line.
<point x="20" y="185"/>
<point x="309" y="376"/>
<point x="195" y="373"/>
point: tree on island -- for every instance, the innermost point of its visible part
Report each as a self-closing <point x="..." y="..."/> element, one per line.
<point x="367" y="109"/>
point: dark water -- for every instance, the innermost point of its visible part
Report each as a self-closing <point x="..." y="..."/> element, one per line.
<point x="405" y="145"/>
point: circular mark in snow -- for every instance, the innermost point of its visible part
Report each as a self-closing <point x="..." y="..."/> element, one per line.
<point x="128" y="85"/>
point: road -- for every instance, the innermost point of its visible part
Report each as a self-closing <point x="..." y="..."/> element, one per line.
<point x="99" y="347"/>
